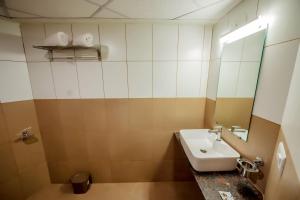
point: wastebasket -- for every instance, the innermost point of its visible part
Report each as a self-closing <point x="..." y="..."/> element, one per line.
<point x="81" y="182"/>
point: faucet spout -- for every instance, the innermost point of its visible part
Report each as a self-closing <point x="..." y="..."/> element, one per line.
<point x="218" y="131"/>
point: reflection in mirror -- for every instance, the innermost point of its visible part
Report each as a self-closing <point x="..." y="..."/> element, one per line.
<point x="239" y="70"/>
<point x="3" y="9"/>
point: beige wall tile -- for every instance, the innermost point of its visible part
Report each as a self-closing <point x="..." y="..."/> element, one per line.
<point x="34" y="179"/>
<point x="20" y="115"/>
<point x="12" y="189"/>
<point x="34" y="34"/>
<point x="23" y="164"/>
<point x="103" y="135"/>
<point x="285" y="186"/>
<point x="4" y="135"/>
<point x="8" y="165"/>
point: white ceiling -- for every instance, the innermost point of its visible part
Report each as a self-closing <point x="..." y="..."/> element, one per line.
<point x="210" y="10"/>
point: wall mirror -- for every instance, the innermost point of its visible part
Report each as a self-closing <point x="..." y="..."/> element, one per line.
<point x="239" y="71"/>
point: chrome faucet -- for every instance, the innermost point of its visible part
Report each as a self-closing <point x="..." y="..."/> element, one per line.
<point x="218" y="131"/>
<point x="237" y="129"/>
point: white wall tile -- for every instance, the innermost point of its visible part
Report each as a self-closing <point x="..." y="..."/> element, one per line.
<point x="219" y="29"/>
<point x="164" y="79"/>
<point x="139" y="42"/>
<point x="284" y="19"/>
<point x="115" y="79"/>
<point x="213" y="79"/>
<point x="65" y="80"/>
<point x="140" y="79"/>
<point x="165" y="41"/>
<point x="41" y="80"/>
<point x="90" y="79"/>
<point x="247" y="80"/>
<point x="233" y="51"/>
<point x="253" y="47"/>
<point x="9" y="27"/>
<point x="204" y="78"/>
<point x="112" y="36"/>
<point x="190" y="42"/>
<point x="11" y="45"/>
<point x="290" y="122"/>
<point x="274" y="80"/>
<point x="14" y="81"/>
<point x="188" y="79"/>
<point x="228" y="79"/>
<point x="207" y="42"/>
<point x="34" y="34"/>
<point x="11" y="48"/>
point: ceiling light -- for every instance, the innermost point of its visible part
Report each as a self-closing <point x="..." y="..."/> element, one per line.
<point x="257" y="25"/>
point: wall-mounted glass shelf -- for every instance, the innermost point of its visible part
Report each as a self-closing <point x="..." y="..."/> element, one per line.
<point x="52" y="49"/>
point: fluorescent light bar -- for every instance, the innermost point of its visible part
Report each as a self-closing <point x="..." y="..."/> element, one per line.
<point x="257" y="25"/>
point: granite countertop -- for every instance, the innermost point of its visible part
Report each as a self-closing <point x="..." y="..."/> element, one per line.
<point x="211" y="183"/>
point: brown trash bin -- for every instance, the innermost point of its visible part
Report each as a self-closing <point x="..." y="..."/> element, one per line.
<point x="81" y="182"/>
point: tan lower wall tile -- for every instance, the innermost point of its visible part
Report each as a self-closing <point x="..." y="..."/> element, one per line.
<point x="11" y="189"/>
<point x="60" y="172"/>
<point x="4" y="135"/>
<point x="23" y="163"/>
<point x="20" y="115"/>
<point x="132" y="171"/>
<point x="100" y="170"/>
<point x="34" y="179"/>
<point x="134" y="132"/>
<point x="285" y="186"/>
<point x="209" y="113"/>
<point x="7" y="163"/>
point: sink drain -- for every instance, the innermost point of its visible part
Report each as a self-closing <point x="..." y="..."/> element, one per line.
<point x="203" y="150"/>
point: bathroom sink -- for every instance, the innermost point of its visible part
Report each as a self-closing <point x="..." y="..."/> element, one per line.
<point x="205" y="153"/>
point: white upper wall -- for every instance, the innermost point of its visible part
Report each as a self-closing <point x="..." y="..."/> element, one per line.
<point x="14" y="78"/>
<point x="139" y="60"/>
<point x="290" y="122"/>
<point x="279" y="55"/>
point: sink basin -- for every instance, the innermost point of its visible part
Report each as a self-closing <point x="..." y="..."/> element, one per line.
<point x="205" y="153"/>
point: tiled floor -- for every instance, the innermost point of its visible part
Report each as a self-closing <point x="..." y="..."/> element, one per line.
<point x="124" y="191"/>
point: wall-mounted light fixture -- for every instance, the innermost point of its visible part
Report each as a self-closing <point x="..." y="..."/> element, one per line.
<point x="257" y="25"/>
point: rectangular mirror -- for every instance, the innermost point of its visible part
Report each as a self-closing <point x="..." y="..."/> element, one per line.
<point x="239" y="71"/>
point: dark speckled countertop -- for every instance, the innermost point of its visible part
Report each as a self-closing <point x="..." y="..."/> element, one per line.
<point x="212" y="182"/>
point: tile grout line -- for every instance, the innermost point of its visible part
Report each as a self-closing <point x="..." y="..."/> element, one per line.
<point x="51" y="68"/>
<point x="76" y="66"/>
<point x="282" y="42"/>
<point x="209" y="60"/>
<point x="240" y="65"/>
<point x="101" y="62"/>
<point x="152" y="63"/>
<point x="200" y="89"/>
<point x="28" y="73"/>
<point x="128" y="96"/>
<point x="177" y="61"/>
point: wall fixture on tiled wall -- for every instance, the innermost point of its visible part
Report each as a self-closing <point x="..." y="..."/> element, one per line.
<point x="139" y="61"/>
<point x="23" y="166"/>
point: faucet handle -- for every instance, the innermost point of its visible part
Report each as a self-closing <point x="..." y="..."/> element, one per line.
<point x="234" y="127"/>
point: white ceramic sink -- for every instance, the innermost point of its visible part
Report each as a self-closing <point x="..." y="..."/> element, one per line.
<point x="205" y="153"/>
